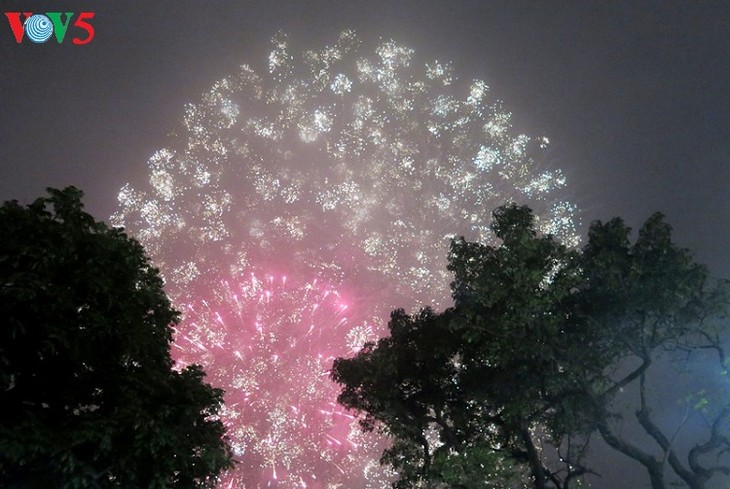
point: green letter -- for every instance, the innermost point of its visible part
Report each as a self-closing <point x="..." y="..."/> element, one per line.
<point x="59" y="28"/>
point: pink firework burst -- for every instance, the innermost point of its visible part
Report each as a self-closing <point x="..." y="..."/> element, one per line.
<point x="269" y="341"/>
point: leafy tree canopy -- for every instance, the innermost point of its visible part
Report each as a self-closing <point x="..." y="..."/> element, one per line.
<point x="544" y="348"/>
<point x="89" y="395"/>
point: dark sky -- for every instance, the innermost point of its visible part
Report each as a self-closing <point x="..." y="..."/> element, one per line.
<point x="633" y="95"/>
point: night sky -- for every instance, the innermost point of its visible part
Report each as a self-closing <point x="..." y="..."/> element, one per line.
<point x="632" y="95"/>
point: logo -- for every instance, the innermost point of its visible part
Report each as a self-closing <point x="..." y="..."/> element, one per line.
<point x="39" y="28"/>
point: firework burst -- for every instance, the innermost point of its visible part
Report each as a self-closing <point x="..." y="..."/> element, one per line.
<point x="343" y="169"/>
<point x="260" y="337"/>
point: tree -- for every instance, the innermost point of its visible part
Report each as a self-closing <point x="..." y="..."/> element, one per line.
<point x="409" y="385"/>
<point x="480" y="376"/>
<point x="539" y="353"/>
<point x="660" y="314"/>
<point x="89" y="393"/>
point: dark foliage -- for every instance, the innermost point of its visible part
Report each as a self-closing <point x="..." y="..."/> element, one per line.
<point x="544" y="348"/>
<point x="87" y="389"/>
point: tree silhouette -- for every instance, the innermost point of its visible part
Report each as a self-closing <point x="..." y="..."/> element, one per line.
<point x="544" y="348"/>
<point x="89" y="394"/>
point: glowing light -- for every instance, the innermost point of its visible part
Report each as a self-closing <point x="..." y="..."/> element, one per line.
<point x="300" y="202"/>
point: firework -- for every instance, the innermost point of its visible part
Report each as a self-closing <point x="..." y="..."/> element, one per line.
<point x="271" y="341"/>
<point x="343" y="169"/>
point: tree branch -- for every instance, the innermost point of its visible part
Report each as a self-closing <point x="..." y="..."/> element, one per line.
<point x="645" y="364"/>
<point x="653" y="466"/>
<point x="716" y="441"/>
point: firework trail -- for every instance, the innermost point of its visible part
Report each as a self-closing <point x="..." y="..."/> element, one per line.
<point x="299" y="203"/>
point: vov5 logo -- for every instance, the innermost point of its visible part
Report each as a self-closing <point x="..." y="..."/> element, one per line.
<point x="39" y="28"/>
